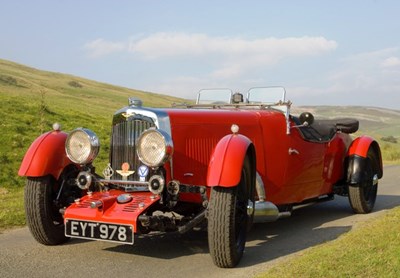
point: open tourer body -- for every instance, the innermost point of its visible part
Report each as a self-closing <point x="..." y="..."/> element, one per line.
<point x="225" y="162"/>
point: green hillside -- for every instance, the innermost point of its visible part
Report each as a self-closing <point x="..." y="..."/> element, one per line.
<point x="32" y="100"/>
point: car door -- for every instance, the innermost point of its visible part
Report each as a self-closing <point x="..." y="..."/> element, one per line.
<point x="305" y="167"/>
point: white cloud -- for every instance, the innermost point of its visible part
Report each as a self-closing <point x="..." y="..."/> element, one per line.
<point x="227" y="57"/>
<point x="179" y="44"/>
<point x="209" y="61"/>
<point x="360" y="79"/>
<point x="364" y="70"/>
<point x="231" y="56"/>
<point x="391" y="62"/>
<point x="161" y="45"/>
<point x="101" y="47"/>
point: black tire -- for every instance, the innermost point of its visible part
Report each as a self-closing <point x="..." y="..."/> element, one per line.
<point x="42" y="215"/>
<point x="228" y="219"/>
<point x="362" y="196"/>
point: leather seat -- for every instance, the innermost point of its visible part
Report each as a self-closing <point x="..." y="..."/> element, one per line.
<point x="325" y="130"/>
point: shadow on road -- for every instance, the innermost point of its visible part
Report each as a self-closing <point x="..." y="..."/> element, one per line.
<point x="307" y="227"/>
<point x="166" y="246"/>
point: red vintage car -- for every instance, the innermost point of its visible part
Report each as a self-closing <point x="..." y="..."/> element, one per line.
<point x="227" y="161"/>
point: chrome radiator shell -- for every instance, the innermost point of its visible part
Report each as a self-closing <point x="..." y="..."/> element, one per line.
<point x="125" y="132"/>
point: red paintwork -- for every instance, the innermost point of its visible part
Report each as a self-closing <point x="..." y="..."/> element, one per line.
<point x="195" y="134"/>
<point x="46" y="156"/>
<point x="111" y="211"/>
<point x="288" y="178"/>
<point x="360" y="146"/>
<point x="227" y="160"/>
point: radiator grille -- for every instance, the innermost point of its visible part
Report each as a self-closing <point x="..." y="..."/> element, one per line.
<point x="123" y="144"/>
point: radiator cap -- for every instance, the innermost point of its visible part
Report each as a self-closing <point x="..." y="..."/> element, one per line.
<point x="133" y="101"/>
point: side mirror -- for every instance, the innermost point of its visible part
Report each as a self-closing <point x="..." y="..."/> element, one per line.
<point x="306" y="119"/>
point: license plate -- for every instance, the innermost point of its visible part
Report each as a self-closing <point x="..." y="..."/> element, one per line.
<point x="99" y="231"/>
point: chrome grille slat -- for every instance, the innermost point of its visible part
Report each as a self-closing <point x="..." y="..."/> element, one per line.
<point x="123" y="144"/>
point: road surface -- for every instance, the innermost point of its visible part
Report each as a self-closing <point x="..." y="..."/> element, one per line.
<point x="187" y="255"/>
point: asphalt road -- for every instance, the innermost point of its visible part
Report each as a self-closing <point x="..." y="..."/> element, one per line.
<point x="187" y="255"/>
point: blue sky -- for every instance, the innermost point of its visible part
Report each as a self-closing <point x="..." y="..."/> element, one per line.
<point x="323" y="52"/>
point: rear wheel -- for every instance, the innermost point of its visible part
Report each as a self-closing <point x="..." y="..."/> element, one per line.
<point x="228" y="219"/>
<point x="362" y="196"/>
<point x="43" y="217"/>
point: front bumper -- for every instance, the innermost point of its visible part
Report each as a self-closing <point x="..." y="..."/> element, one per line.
<point x="104" y="207"/>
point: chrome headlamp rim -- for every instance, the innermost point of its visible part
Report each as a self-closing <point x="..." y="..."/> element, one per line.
<point x="75" y="148"/>
<point x="166" y="149"/>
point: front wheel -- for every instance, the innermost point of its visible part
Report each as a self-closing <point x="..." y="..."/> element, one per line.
<point x="362" y="196"/>
<point x="42" y="215"/>
<point x="228" y="219"/>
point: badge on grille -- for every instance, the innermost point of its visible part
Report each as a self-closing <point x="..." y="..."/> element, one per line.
<point x="124" y="172"/>
<point x="128" y="114"/>
<point x="108" y="172"/>
<point x="143" y="171"/>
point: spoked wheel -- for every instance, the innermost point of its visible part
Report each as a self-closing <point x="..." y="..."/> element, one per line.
<point x="362" y="196"/>
<point x="228" y="219"/>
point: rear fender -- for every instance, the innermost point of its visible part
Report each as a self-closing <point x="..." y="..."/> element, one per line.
<point x="357" y="157"/>
<point x="45" y="156"/>
<point x="226" y="162"/>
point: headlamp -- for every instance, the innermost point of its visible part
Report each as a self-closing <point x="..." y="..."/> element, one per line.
<point x="82" y="146"/>
<point x="154" y="147"/>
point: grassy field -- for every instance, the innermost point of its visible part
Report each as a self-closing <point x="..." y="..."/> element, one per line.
<point x="370" y="250"/>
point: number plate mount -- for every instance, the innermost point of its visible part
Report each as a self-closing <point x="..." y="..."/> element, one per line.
<point x="112" y="232"/>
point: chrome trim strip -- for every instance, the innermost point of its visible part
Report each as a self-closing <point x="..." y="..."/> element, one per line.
<point x="260" y="188"/>
<point x="158" y="116"/>
<point x="137" y="183"/>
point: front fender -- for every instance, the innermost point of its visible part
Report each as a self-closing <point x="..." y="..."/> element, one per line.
<point x="357" y="157"/>
<point x="225" y="167"/>
<point x="45" y="156"/>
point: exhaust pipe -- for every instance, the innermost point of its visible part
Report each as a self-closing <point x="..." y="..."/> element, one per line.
<point x="267" y="212"/>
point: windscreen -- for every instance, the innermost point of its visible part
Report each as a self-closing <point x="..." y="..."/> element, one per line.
<point x="214" y="96"/>
<point x="268" y="95"/>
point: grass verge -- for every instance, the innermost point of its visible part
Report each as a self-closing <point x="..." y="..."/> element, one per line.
<point x="370" y="250"/>
<point x="12" y="212"/>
